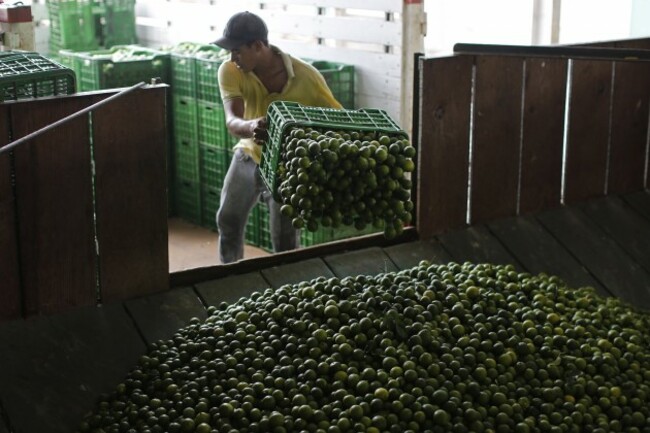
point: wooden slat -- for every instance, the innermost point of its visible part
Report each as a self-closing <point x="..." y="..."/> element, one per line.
<point x="408" y="255"/>
<point x="629" y="134"/>
<point x="369" y="261"/>
<point x="443" y="156"/>
<point x="159" y="316"/>
<point x="604" y="258"/>
<point x="55" y="206"/>
<point x="629" y="229"/>
<point x="10" y="298"/>
<point x="538" y="251"/>
<point x="61" y="364"/>
<point x="543" y="129"/>
<point x="497" y="137"/>
<point x="131" y="194"/>
<point x="642" y="43"/>
<point x="477" y="245"/>
<point x="231" y="289"/>
<point x="640" y="201"/>
<point x="293" y="273"/>
<point x="586" y="153"/>
<point x="3" y="427"/>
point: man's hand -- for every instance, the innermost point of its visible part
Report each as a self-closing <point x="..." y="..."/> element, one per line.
<point x="259" y="132"/>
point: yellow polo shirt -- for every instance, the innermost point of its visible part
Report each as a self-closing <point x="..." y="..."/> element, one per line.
<point x="305" y="85"/>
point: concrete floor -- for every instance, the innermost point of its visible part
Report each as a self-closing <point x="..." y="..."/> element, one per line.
<point x="191" y="246"/>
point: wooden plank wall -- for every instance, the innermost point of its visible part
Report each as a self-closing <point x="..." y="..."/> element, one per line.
<point x="11" y="305"/>
<point x="54" y="255"/>
<point x="494" y="124"/>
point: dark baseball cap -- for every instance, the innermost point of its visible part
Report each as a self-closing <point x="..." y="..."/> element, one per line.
<point x="242" y="28"/>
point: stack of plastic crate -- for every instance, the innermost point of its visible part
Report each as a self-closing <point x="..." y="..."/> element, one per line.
<point x="201" y="144"/>
<point x="119" y="23"/>
<point x="72" y="25"/>
<point x="185" y="132"/>
<point x="28" y="75"/>
<point x="214" y="140"/>
<point x="340" y="78"/>
<point x="84" y="25"/>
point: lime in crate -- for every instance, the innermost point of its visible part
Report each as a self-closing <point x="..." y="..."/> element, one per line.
<point x="118" y="66"/>
<point x="334" y="168"/>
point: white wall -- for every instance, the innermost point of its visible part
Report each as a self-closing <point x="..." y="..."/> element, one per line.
<point x="530" y="22"/>
<point x="366" y="34"/>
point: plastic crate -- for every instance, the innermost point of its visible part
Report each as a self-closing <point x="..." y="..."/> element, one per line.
<point x="183" y="68"/>
<point x="186" y="160"/>
<point x="72" y="25"/>
<point x="119" y="23"/>
<point x="340" y="78"/>
<point x="213" y="166"/>
<point x="119" y="66"/>
<point x="185" y="119"/>
<point x="210" y="201"/>
<point x="212" y="125"/>
<point x="208" y="61"/>
<point x="27" y="75"/>
<point x="188" y="200"/>
<point x="264" y="228"/>
<point x="251" y="234"/>
<point x="328" y="234"/>
<point x="284" y="115"/>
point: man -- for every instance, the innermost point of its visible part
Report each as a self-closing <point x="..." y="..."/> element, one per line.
<point x="256" y="75"/>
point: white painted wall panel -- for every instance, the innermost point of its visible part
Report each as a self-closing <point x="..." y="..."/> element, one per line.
<point x="356" y="29"/>
<point x="375" y="5"/>
<point x="368" y="34"/>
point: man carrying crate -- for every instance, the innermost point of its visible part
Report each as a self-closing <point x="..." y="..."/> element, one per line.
<point x="256" y="75"/>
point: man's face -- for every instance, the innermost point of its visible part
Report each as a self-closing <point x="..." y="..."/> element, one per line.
<point x="245" y="57"/>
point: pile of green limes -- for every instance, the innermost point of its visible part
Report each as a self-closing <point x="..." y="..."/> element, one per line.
<point x="435" y="348"/>
<point x="332" y="178"/>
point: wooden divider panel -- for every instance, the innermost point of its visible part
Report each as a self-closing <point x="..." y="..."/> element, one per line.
<point x="10" y="300"/>
<point x="588" y="135"/>
<point x="497" y="137"/>
<point x="629" y="134"/>
<point x="543" y="129"/>
<point x="131" y="194"/>
<point x="641" y="44"/>
<point x="54" y="206"/>
<point x="446" y="86"/>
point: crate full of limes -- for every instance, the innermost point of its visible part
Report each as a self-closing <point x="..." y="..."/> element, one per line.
<point x="118" y="66"/>
<point x="334" y="168"/>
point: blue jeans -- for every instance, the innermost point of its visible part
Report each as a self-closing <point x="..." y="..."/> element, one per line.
<point x="242" y="188"/>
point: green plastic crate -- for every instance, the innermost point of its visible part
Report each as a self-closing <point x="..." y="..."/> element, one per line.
<point x="188" y="200"/>
<point x="72" y="25"/>
<point x="210" y="201"/>
<point x="264" y="228"/>
<point x="340" y="78"/>
<point x="284" y="115"/>
<point x="213" y="166"/>
<point x="119" y="23"/>
<point x="185" y="118"/>
<point x="251" y="234"/>
<point x="27" y="75"/>
<point x="212" y="125"/>
<point x="329" y="234"/>
<point x="183" y="69"/>
<point x="208" y="61"/>
<point x="184" y="73"/>
<point x="119" y="66"/>
<point x="187" y="160"/>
